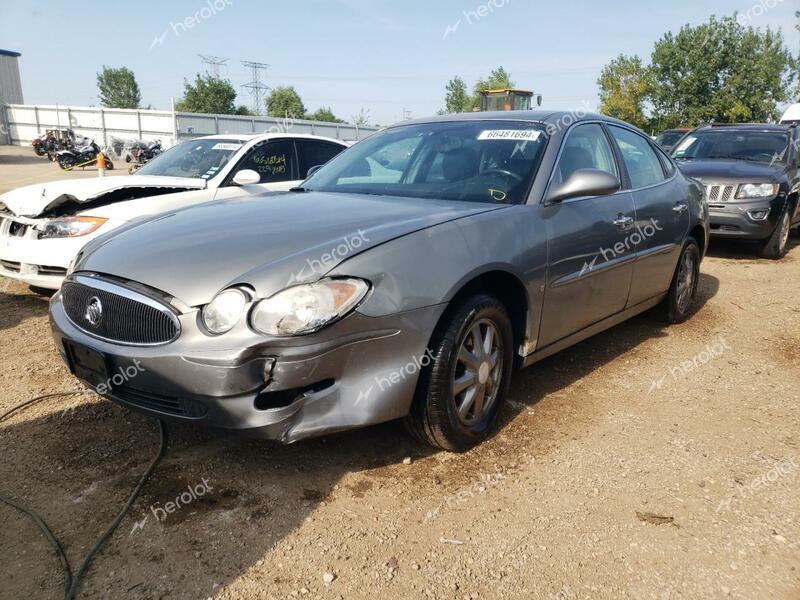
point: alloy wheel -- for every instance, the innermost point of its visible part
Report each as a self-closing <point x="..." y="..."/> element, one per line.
<point x="478" y="370"/>
<point x="686" y="281"/>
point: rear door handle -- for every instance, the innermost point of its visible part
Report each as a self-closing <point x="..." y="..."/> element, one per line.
<point x="680" y="207"/>
<point x="623" y="222"/>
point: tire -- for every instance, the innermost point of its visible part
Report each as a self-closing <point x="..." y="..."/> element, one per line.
<point x="434" y="418"/>
<point x="39" y="151"/>
<point x="66" y="163"/>
<point x="109" y="165"/>
<point x="777" y="244"/>
<point x="677" y="305"/>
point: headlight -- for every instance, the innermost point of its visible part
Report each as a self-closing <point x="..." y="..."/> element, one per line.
<point x="757" y="190"/>
<point x="224" y="311"/>
<point x="307" y="308"/>
<point x="69" y="227"/>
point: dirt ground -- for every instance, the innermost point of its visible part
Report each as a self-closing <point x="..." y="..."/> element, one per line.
<point x="647" y="463"/>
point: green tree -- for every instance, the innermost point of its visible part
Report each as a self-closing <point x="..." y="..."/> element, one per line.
<point x="243" y="111"/>
<point x="498" y="79"/>
<point x="361" y="119"/>
<point x="208" y="94"/>
<point x="720" y="71"/>
<point x="624" y="87"/>
<point x="285" y="102"/>
<point x="325" y="114"/>
<point x="457" y="99"/>
<point x="118" y="88"/>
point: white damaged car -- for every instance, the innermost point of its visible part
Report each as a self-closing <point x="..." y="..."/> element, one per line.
<point x="44" y="226"/>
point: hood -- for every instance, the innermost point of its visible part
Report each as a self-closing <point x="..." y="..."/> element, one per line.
<point x="269" y="242"/>
<point x="33" y="200"/>
<point x="731" y="171"/>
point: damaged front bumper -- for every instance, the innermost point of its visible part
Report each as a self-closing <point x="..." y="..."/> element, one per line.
<point x="357" y="372"/>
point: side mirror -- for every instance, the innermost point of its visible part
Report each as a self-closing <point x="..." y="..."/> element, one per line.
<point x="585" y="182"/>
<point x="246" y="177"/>
<point x="313" y="170"/>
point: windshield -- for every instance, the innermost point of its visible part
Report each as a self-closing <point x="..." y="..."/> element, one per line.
<point x="476" y="161"/>
<point x="201" y="159"/>
<point x="669" y="138"/>
<point x="757" y="146"/>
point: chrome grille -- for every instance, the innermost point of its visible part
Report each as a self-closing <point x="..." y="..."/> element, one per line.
<point x="720" y="193"/>
<point x="124" y="315"/>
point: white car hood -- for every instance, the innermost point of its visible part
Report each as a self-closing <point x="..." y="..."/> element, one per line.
<point x="33" y="200"/>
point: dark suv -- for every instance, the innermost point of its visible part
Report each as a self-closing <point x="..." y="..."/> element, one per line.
<point x="750" y="173"/>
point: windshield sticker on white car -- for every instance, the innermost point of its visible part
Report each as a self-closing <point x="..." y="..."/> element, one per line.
<point x="510" y="134"/>
<point x="224" y="146"/>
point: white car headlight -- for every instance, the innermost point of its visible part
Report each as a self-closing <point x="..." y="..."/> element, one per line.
<point x="69" y="227"/>
<point x="224" y="311"/>
<point x="307" y="308"/>
<point x="757" y="190"/>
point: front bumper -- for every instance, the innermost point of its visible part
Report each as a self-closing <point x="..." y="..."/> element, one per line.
<point x="751" y="220"/>
<point x="360" y="371"/>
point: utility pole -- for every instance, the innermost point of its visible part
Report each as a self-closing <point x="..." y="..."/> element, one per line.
<point x="256" y="87"/>
<point x="214" y="62"/>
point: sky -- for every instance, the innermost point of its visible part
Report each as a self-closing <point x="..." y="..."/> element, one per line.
<point x="389" y="57"/>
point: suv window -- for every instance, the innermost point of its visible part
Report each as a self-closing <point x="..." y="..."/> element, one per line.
<point x="644" y="167"/>
<point x="587" y="147"/>
<point x="274" y="161"/>
<point x="313" y="153"/>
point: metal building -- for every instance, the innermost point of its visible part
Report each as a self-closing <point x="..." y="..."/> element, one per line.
<point x="10" y="88"/>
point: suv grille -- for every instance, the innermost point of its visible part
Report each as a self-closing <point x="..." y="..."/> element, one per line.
<point x="117" y="314"/>
<point x="720" y="193"/>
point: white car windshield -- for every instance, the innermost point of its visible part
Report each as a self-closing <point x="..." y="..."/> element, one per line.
<point x="202" y="158"/>
<point x="476" y="161"/>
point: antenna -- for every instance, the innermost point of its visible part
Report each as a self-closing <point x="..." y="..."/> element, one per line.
<point x="255" y="86"/>
<point x="215" y="62"/>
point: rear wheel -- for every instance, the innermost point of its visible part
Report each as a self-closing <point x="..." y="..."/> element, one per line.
<point x="109" y="165"/>
<point x="460" y="394"/>
<point x="776" y="245"/>
<point x="677" y="305"/>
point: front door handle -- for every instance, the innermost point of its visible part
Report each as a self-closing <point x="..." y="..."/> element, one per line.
<point x="680" y="207"/>
<point x="623" y="222"/>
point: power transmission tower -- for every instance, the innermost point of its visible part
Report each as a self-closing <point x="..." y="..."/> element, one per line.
<point x="214" y="62"/>
<point x="255" y="86"/>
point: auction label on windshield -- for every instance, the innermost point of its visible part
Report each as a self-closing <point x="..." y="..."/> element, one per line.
<point x="223" y="146"/>
<point x="510" y="134"/>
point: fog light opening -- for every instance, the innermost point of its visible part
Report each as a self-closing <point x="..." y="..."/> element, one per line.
<point x="759" y="214"/>
<point x="267" y="400"/>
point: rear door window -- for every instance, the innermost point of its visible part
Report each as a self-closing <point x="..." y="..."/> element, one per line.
<point x="644" y="166"/>
<point x="311" y="153"/>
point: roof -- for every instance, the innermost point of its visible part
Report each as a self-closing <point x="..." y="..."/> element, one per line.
<point x="9" y="53"/>
<point x="539" y="115"/>
<point x="507" y="90"/>
<point x="247" y="137"/>
<point x="748" y="126"/>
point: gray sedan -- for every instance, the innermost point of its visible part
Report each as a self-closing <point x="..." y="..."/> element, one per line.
<point x="404" y="279"/>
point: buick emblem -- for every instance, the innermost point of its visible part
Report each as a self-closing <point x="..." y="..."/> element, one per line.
<point x="94" y="311"/>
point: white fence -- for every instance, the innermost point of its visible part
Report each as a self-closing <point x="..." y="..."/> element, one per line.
<point x="24" y="122"/>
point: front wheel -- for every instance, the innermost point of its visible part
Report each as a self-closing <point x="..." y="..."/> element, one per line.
<point x="66" y="162"/>
<point x="677" y="305"/>
<point x="776" y="245"/>
<point x="461" y="392"/>
<point x="109" y="165"/>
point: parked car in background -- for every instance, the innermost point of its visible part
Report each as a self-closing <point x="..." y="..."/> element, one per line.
<point x="792" y="115"/>
<point x="404" y="279"/>
<point x="750" y="173"/>
<point x="43" y="226"/>
<point x="669" y="138"/>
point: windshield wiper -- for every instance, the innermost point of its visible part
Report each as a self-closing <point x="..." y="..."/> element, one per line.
<point x="299" y="188"/>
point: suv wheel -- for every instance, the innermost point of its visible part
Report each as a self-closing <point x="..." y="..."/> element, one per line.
<point x="460" y="394"/>
<point x="677" y="305"/>
<point x="776" y="245"/>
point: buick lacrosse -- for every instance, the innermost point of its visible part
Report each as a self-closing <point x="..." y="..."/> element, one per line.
<point x="405" y="279"/>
